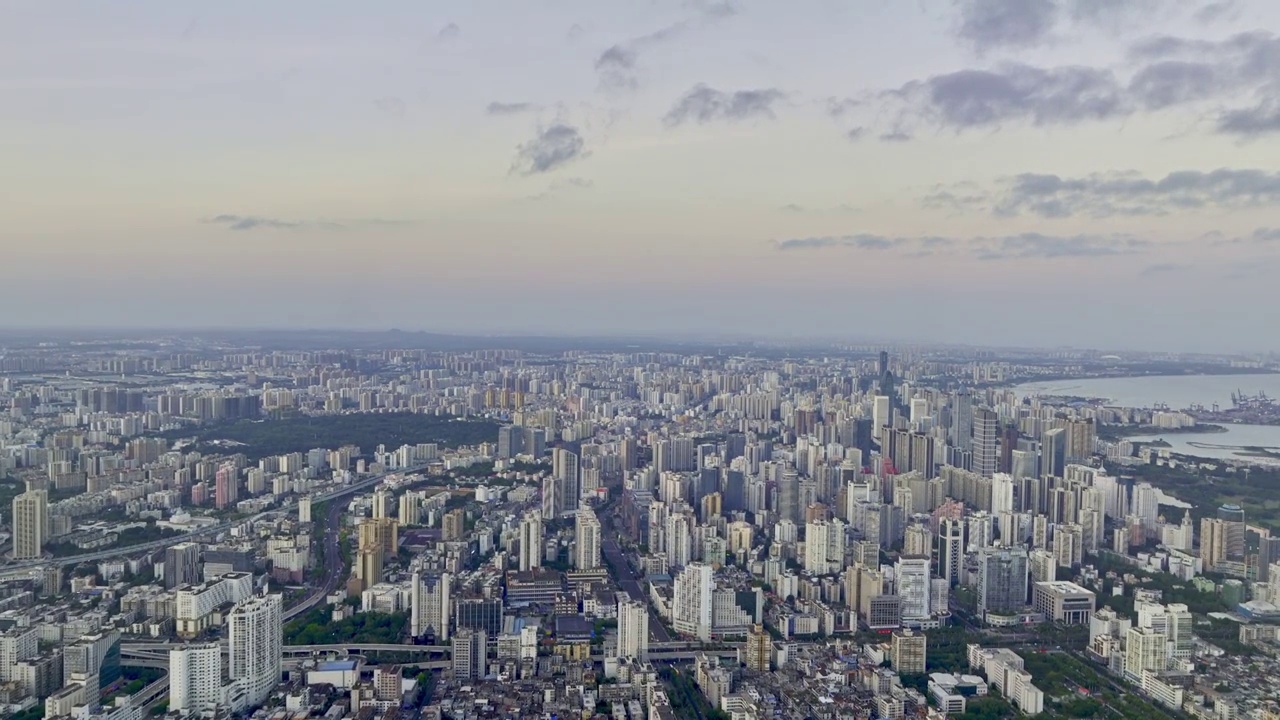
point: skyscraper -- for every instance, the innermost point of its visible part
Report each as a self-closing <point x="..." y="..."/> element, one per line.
<point x="912" y="575"/>
<point x="586" y="550"/>
<point x="181" y="565"/>
<point x="692" y="601"/>
<point x="962" y="419"/>
<point x="568" y="482"/>
<point x="633" y="630"/>
<point x="1053" y="452"/>
<point x="530" y="541"/>
<point x="30" y="524"/>
<point x="986" y="428"/>
<point x="256" y="634"/>
<point x="469" y="654"/>
<point x="950" y="549"/>
<point x="510" y="441"/>
<point x="789" y="496"/>
<point x="195" y="677"/>
<point x="1233" y="531"/>
<point x="1002" y="580"/>
<point x="431" y="605"/>
<point x="1081" y="438"/>
<point x="881" y="417"/>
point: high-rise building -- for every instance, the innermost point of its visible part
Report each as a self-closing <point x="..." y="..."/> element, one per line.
<point x="950" y="549"/>
<point x="912" y="575"/>
<point x="431" y="605"/>
<point x="195" y="677"/>
<point x="510" y="441"/>
<point x="1002" y="580"/>
<point x="1081" y="439"/>
<point x="382" y="503"/>
<point x="759" y="649"/>
<point x="586" y="549"/>
<point x="962" y="419"/>
<point x="907" y="652"/>
<point x="1053" y="452"/>
<point x="986" y="428"/>
<point x="304" y="509"/>
<point x="789" y="496"/>
<point x="470" y="648"/>
<point x="568" y="483"/>
<point x="1213" y="542"/>
<point x="530" y="541"/>
<point x="824" y="546"/>
<point x="256" y="635"/>
<point x="1233" y="532"/>
<point x="881" y="417"/>
<point x="226" y="486"/>
<point x="453" y="526"/>
<point x="181" y="565"/>
<point x="30" y="524"/>
<point x="692" y="601"/>
<point x="633" y="629"/>
<point x="1068" y="545"/>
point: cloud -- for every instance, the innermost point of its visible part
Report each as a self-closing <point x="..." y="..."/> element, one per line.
<point x="449" y="32"/>
<point x="1235" y="80"/>
<point x="1006" y="23"/>
<point x="558" y="186"/>
<point x="259" y="222"/>
<point x="509" y="108"/>
<point x="1162" y="268"/>
<point x="855" y="134"/>
<point x="252" y="222"/>
<point x="553" y="147"/>
<point x="1261" y="236"/>
<point x="1216" y="11"/>
<point x="1006" y="247"/>
<point x="393" y="106"/>
<point x="1128" y="193"/>
<point x="895" y="136"/>
<point x="616" y="66"/>
<point x="703" y="104"/>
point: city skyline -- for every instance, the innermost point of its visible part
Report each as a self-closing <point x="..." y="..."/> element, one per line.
<point x="1053" y="172"/>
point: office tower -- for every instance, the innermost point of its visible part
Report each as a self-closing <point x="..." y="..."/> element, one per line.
<point x="431" y="603"/>
<point x="919" y="411"/>
<point x="382" y="502"/>
<point x="912" y="575"/>
<point x="1053" y="452"/>
<point x="1002" y="580"/>
<point x="950" y="549"/>
<point x="789" y="496"/>
<point x="1009" y="437"/>
<point x="510" y="441"/>
<point x="907" y="652"/>
<point x="256" y="633"/>
<point x="692" y="601"/>
<point x="181" y="565"/>
<point x="986" y="427"/>
<point x="881" y="418"/>
<point x="1268" y="553"/>
<point x="479" y="613"/>
<point x="628" y="454"/>
<point x="535" y="442"/>
<point x="1081" y="439"/>
<point x="734" y="496"/>
<point x="530" y="541"/>
<point x="195" y="678"/>
<point x="1024" y="464"/>
<point x="1233" y="531"/>
<point x="30" y="524"/>
<point x="683" y="455"/>
<point x="633" y="629"/>
<point x="469" y="654"/>
<point x="759" y="649"/>
<point x="586" y="537"/>
<point x="1004" y="495"/>
<point x="962" y="420"/>
<point x="568" y="485"/>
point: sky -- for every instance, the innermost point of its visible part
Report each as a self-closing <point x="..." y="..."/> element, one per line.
<point x="1087" y="173"/>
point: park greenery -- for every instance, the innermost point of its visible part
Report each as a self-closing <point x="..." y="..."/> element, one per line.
<point x="261" y="438"/>
<point x="1208" y="485"/>
<point x="1172" y="589"/>
<point x="317" y="628"/>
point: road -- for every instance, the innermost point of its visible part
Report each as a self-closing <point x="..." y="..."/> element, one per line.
<point x="627" y="579"/>
<point x="333" y="570"/>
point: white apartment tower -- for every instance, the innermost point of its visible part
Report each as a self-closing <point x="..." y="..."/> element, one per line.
<point x="195" y="677"/>
<point x="530" y="542"/>
<point x="30" y="524"/>
<point x="633" y="630"/>
<point x="256" y="645"/>
<point x="586" y="549"/>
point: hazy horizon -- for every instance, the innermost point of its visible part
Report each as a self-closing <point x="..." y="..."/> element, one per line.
<point x="1031" y="173"/>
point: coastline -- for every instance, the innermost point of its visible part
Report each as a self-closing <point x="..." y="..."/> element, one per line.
<point x="1121" y="432"/>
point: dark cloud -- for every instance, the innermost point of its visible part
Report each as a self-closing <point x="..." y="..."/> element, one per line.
<point x="1021" y="246"/>
<point x="450" y="31"/>
<point x="855" y="134"/>
<point x="987" y="98"/>
<point x="259" y="222"/>
<point x="253" y="222"/>
<point x="616" y="66"/>
<point x="1163" y="72"/>
<point x="553" y="147"/>
<point x="895" y="136"/>
<point x="704" y="104"/>
<point x="1214" y="12"/>
<point x="1006" y="23"/>
<point x="509" y="108"/>
<point x="1037" y="245"/>
<point x="393" y="106"/>
<point x="1111" y="194"/>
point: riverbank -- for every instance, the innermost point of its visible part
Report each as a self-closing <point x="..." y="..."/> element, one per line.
<point x="1121" y="432"/>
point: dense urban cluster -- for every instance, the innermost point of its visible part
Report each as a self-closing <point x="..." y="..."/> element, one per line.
<point x="207" y="527"/>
